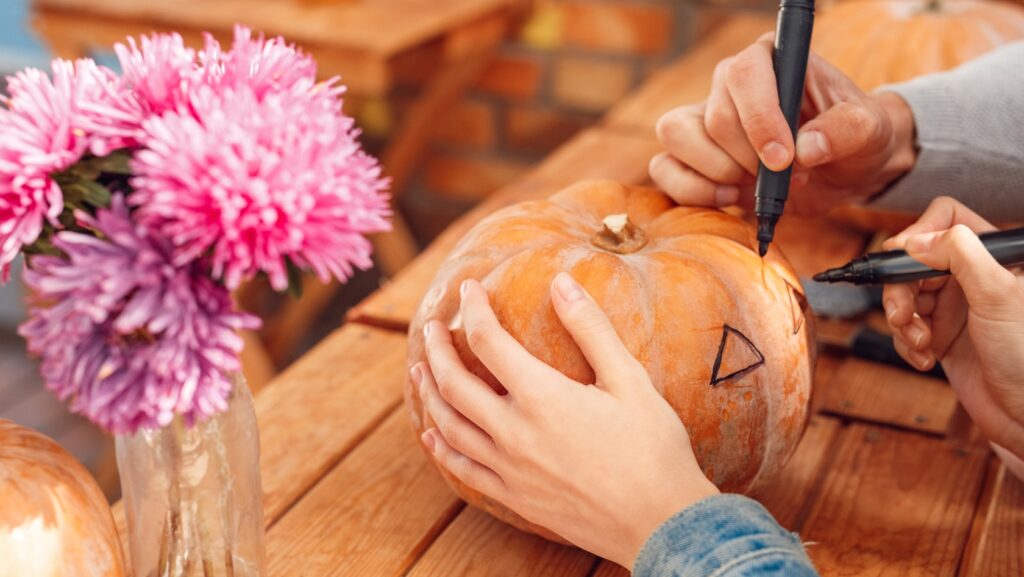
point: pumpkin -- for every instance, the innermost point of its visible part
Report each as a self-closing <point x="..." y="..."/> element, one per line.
<point x="724" y="334"/>
<point x="878" y="42"/>
<point x="54" y="519"/>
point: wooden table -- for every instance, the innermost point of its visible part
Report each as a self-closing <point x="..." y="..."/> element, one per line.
<point x="890" y="478"/>
<point x="371" y="44"/>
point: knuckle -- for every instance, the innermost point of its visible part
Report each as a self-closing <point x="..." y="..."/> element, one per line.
<point x="479" y="337"/>
<point x="450" y="432"/>
<point x="864" y="122"/>
<point x="741" y="67"/>
<point x="759" y="124"/>
<point x="717" y="121"/>
<point x="446" y="389"/>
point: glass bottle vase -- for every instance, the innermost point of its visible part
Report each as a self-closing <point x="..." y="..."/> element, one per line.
<point x="192" y="495"/>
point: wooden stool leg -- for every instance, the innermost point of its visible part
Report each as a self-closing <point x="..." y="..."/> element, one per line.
<point x="257" y="365"/>
<point x="297" y="316"/>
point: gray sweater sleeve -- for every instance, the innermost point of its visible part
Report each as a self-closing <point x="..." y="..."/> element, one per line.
<point x="970" y="137"/>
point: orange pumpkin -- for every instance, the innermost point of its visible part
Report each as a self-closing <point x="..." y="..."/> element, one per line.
<point x="54" y="519"/>
<point x="878" y="42"/>
<point x="724" y="334"/>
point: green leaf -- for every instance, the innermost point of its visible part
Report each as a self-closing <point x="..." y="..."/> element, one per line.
<point x="294" y="279"/>
<point x="117" y="162"/>
<point x="96" y="194"/>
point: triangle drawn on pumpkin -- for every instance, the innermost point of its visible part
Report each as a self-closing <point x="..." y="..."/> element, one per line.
<point x="797" y="307"/>
<point x="737" y="356"/>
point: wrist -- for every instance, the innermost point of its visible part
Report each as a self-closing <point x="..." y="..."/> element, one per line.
<point x="902" y="147"/>
<point x="665" y="507"/>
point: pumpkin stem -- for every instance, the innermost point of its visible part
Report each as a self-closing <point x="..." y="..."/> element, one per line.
<point x="933" y="6"/>
<point x="619" y="235"/>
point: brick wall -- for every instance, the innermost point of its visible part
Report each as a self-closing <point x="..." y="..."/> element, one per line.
<point x="568" y="62"/>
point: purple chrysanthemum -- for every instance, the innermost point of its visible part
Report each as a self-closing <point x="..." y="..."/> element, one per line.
<point x="131" y="338"/>
<point x="258" y="180"/>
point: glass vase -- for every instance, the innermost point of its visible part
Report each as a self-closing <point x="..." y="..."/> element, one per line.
<point x="192" y="495"/>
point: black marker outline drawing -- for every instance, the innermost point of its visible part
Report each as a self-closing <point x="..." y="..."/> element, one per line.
<point x="797" y="298"/>
<point x="726" y="330"/>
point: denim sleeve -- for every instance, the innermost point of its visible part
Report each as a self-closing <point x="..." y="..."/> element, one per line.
<point x="723" y="536"/>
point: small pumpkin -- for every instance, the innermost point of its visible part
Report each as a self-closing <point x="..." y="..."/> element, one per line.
<point x="54" y="519"/>
<point x="877" y="42"/>
<point x="724" y="334"/>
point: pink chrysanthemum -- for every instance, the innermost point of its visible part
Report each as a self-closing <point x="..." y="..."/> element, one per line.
<point x="130" y="337"/>
<point x="158" y="70"/>
<point x="257" y="63"/>
<point x="259" y="181"/>
<point x="47" y="126"/>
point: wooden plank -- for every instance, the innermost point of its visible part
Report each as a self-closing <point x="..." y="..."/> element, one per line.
<point x="372" y="516"/>
<point x="380" y="26"/>
<point x="998" y="548"/>
<point x="325" y="404"/>
<point x="595" y="153"/>
<point x="883" y="394"/>
<point x="894" y="503"/>
<point x="477" y="545"/>
<point x="688" y="79"/>
<point x="791" y="493"/>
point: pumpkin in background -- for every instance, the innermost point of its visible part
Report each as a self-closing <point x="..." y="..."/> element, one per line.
<point x="877" y="42"/>
<point x="54" y="519"/>
<point x="724" y="334"/>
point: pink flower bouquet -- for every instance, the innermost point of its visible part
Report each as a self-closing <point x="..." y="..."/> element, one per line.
<point x="141" y="199"/>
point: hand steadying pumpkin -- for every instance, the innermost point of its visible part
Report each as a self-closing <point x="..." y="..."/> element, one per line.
<point x="851" y="145"/>
<point x="972" y="322"/>
<point x="603" y="466"/>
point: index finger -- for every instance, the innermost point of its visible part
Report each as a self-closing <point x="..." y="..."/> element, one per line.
<point x="752" y="86"/>
<point x="943" y="213"/>
<point x="517" y="370"/>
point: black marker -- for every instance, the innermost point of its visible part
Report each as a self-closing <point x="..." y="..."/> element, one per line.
<point x="896" y="266"/>
<point x="792" y="45"/>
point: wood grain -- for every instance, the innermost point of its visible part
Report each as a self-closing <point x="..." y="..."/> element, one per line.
<point x="324" y="405"/>
<point x="380" y="26"/>
<point x="789" y="496"/>
<point x="371" y="516"/>
<point x="595" y="153"/>
<point x="883" y="394"/>
<point x="688" y="79"/>
<point x="894" y="503"/>
<point x="477" y="545"/>
<point x="998" y="549"/>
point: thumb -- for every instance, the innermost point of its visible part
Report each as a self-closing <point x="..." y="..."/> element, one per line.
<point x="988" y="286"/>
<point x="593" y="333"/>
<point x="842" y="131"/>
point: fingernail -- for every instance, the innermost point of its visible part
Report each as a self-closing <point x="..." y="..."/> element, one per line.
<point x="726" y="195"/>
<point x="921" y="361"/>
<point x="811" y="148"/>
<point x="428" y="440"/>
<point x="774" y="155"/>
<point x="890" y="310"/>
<point x="568" y="288"/>
<point x="417" y="374"/>
<point x="914" y="334"/>
<point x="426" y="329"/>
<point x="463" y="287"/>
